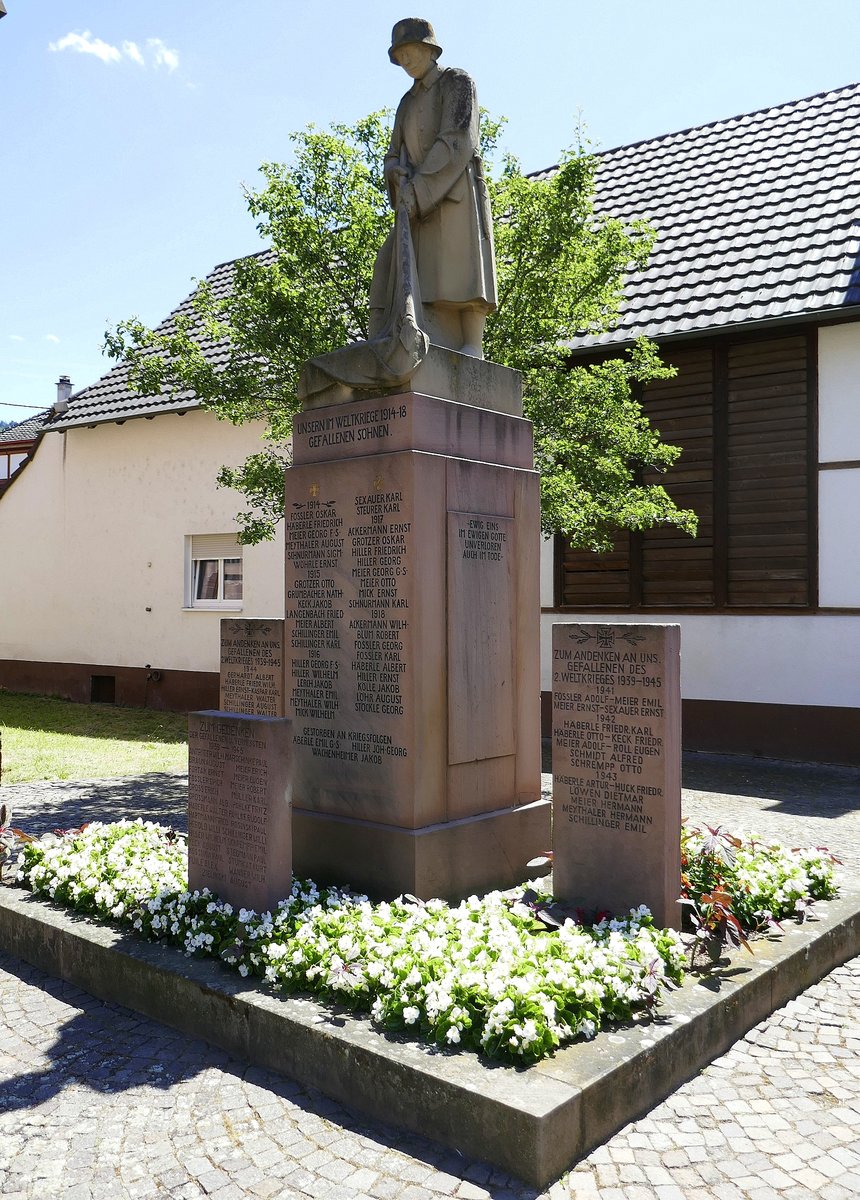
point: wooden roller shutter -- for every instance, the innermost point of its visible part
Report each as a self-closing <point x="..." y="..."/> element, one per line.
<point x="663" y="566"/>
<point x="677" y="569"/>
<point x="742" y="413"/>
<point x="767" y="473"/>
<point x="596" y="580"/>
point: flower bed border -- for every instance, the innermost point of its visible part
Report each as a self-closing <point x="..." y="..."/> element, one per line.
<point x="533" y="1122"/>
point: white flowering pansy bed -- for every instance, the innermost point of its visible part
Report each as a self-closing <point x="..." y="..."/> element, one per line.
<point x="486" y="974"/>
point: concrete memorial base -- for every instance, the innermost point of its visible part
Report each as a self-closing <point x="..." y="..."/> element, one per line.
<point x="412" y="642"/>
<point x="534" y="1123"/>
<point x="446" y="373"/>
<point x="453" y="858"/>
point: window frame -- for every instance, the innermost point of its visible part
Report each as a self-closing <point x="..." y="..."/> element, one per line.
<point x="233" y="555"/>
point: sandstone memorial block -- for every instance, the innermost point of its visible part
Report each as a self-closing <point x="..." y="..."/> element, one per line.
<point x="616" y="765"/>
<point x="252" y="667"/>
<point x="412" y="644"/>
<point x="239" y="793"/>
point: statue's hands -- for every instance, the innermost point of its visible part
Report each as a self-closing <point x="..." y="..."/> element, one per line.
<point x="406" y="197"/>
<point x="395" y="175"/>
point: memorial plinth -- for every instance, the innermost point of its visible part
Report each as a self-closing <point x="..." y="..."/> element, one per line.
<point x="411" y="645"/>
<point x="239" y="784"/>
<point x="252" y="667"/>
<point x="616" y="765"/>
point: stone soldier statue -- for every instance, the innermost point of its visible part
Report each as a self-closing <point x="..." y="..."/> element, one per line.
<point x="435" y="277"/>
<point x="433" y="167"/>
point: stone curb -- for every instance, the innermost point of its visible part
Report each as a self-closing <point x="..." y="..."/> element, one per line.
<point x="533" y="1122"/>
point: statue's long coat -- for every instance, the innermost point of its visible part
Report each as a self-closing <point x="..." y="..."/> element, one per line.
<point x="437" y="124"/>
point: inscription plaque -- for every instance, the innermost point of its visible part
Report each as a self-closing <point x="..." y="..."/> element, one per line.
<point x="349" y="629"/>
<point x="409" y="422"/>
<point x="252" y="667"/>
<point x="239" y="821"/>
<point x="480" y="637"/>
<point x="616" y="763"/>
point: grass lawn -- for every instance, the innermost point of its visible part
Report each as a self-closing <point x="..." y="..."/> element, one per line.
<point x="45" y="738"/>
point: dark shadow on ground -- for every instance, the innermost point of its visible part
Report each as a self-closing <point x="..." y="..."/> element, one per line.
<point x="108" y="1048"/>
<point x="800" y="789"/>
<point x="42" y="807"/>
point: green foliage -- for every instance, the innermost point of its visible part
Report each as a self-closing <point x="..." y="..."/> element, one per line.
<point x="561" y="272"/>
<point x="734" y="885"/>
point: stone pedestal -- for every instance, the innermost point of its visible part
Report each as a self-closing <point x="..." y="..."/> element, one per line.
<point x="616" y="765"/>
<point x="239" y="832"/>
<point x="411" y="644"/>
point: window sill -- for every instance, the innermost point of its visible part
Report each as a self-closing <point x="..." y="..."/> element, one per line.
<point x="216" y="608"/>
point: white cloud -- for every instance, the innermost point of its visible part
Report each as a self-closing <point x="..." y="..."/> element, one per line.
<point x="15" y="337"/>
<point x="156" y="52"/>
<point x="164" y="57"/>
<point x="85" y="43"/>
<point x="52" y="337"/>
<point x="130" y="50"/>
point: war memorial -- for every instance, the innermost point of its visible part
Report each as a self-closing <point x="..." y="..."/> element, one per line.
<point x="383" y="731"/>
<point x="411" y="630"/>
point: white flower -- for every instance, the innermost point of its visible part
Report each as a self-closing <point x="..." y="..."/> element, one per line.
<point x="404" y="956"/>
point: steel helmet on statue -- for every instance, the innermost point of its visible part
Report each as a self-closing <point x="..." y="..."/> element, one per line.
<point x="413" y="29"/>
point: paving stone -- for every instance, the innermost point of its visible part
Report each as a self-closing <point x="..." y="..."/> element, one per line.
<point x="471" y="1191"/>
<point x="265" y="1188"/>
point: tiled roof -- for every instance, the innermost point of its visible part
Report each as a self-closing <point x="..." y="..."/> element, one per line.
<point x="758" y="218"/>
<point x="26" y="431"/>
<point x="111" y="398"/>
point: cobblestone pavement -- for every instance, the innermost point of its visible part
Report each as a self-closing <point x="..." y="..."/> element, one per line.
<point x="98" y="1102"/>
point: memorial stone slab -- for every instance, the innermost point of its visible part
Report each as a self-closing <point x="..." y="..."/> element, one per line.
<point x="616" y="763"/>
<point x="239" y="797"/>
<point x="252" y="667"/>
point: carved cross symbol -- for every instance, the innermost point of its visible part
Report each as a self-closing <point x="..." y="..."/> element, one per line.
<point x="314" y="489"/>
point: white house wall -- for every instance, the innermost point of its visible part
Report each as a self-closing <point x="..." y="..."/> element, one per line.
<point x="802" y="660"/>
<point x="839" y="392"/>
<point x="839" y="486"/>
<point x="93" y="539"/>
<point x="839" y="539"/>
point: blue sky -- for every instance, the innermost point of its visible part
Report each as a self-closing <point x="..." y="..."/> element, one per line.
<point x="127" y="130"/>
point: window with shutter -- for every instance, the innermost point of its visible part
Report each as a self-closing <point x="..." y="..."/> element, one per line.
<point x="213" y="571"/>
<point x="742" y="414"/>
<point x="768" y="475"/>
<point x="675" y="568"/>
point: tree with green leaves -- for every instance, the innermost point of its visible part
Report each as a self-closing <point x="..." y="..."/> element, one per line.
<point x="561" y="271"/>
